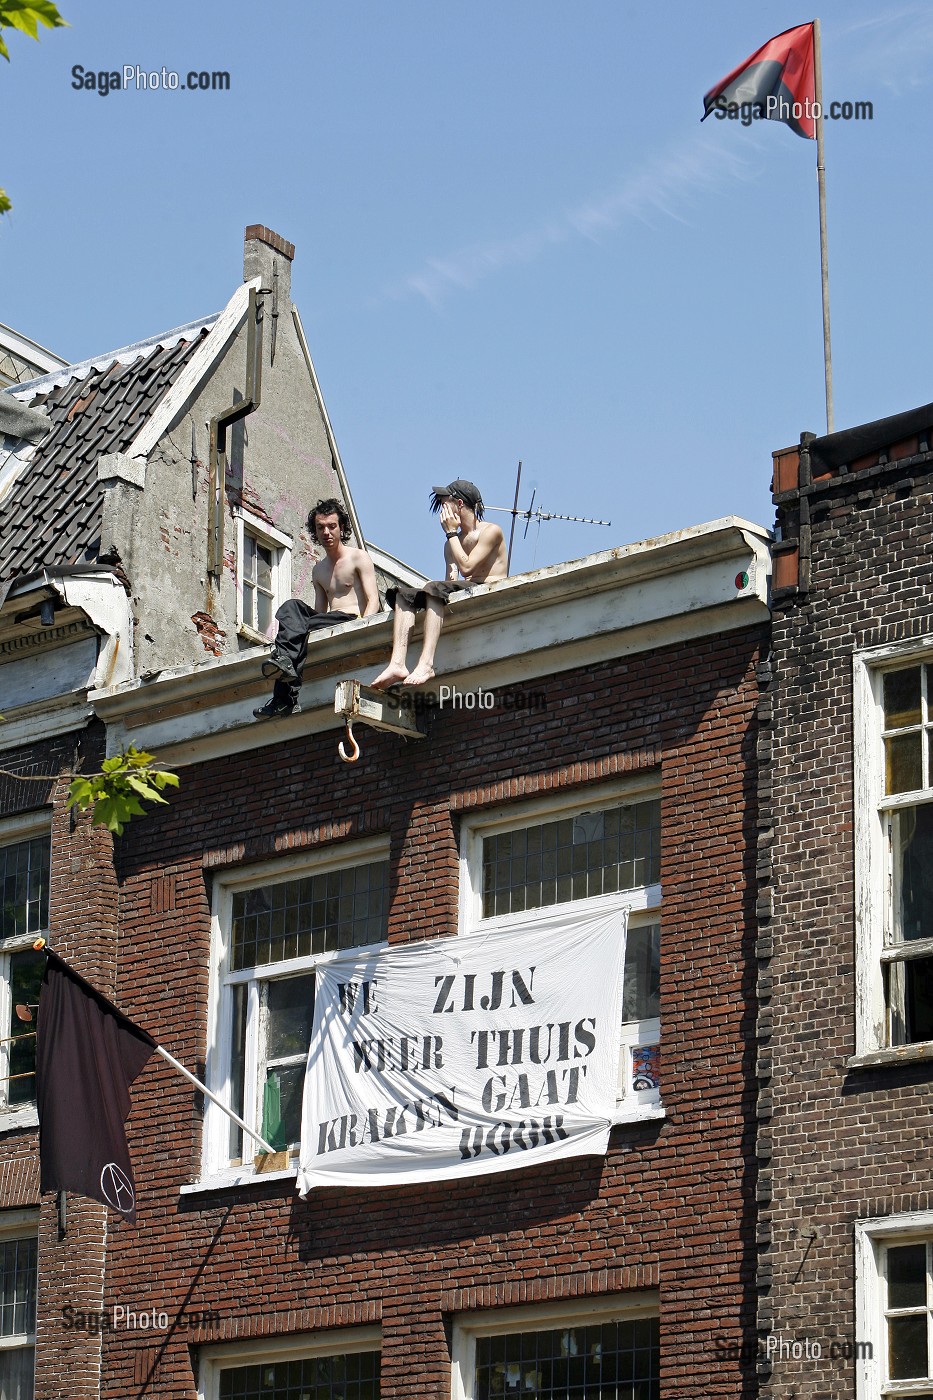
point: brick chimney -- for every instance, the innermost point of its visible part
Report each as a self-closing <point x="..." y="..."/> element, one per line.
<point x="265" y="251"/>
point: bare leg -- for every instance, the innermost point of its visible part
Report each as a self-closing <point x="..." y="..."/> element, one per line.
<point x="397" y="670"/>
<point x="433" y="622"/>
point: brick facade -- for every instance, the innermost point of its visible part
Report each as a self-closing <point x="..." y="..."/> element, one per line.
<point x="844" y="1143"/>
<point x="672" y="1206"/>
<point x="83" y="907"/>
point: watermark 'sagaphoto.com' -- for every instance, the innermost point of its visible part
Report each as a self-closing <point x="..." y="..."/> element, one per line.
<point x="450" y="698"/>
<point x="163" y="79"/>
<point x="120" y="1318"/>
<point x="779" y="109"/>
<point x="778" y="1347"/>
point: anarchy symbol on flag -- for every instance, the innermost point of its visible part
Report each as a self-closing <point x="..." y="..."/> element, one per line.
<point x="117" y="1188"/>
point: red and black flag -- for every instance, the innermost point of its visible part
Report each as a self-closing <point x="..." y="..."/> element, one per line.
<point x="775" y="83"/>
<point x="87" y="1056"/>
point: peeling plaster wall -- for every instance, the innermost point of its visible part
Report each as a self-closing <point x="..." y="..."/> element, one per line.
<point x="278" y="464"/>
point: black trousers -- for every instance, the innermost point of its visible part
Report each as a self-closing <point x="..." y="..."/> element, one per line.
<point x="296" y="620"/>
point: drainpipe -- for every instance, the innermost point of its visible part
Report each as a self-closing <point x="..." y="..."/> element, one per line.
<point x="216" y="508"/>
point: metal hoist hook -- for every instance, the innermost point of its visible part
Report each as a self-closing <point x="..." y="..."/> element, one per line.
<point x="354" y="753"/>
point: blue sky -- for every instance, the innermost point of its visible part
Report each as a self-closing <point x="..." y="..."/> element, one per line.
<point x="514" y="237"/>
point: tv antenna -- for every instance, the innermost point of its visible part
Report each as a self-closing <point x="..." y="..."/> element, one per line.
<point x="539" y="515"/>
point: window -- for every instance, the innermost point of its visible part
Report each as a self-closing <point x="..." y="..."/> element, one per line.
<point x="894" y="1300"/>
<point x="334" y="1366"/>
<point x="263" y="575"/>
<point x="598" y="1349"/>
<point x="606" y="854"/>
<point x="894" y="849"/>
<point x="24" y="914"/>
<point x="271" y="928"/>
<point x="18" y="1254"/>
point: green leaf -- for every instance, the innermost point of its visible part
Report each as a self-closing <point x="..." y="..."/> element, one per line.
<point x="80" y="792"/>
<point x="107" y="813"/>
<point x="26" y="15"/>
<point x="145" y="790"/>
<point x="118" y="791"/>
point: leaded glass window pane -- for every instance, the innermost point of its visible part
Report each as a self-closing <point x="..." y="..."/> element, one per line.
<point x="608" y="1361"/>
<point x="354" y="1376"/>
<point x="592" y="853"/>
<point x="317" y="914"/>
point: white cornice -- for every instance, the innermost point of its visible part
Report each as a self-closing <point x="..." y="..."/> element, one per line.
<point x="619" y="602"/>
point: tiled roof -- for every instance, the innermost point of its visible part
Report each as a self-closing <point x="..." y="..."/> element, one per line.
<point x="51" y="514"/>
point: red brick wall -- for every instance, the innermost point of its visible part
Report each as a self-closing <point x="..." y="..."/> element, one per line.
<point x="671" y="1207"/>
<point x="83" y="929"/>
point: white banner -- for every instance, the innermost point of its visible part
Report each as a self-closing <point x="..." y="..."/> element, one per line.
<point x="458" y="1056"/>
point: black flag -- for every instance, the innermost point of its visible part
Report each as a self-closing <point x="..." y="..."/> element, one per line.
<point x="87" y="1056"/>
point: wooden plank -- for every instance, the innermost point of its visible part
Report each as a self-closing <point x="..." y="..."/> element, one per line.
<point x="398" y="712"/>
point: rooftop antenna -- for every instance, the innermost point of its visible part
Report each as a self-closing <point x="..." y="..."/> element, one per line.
<point x="539" y="515"/>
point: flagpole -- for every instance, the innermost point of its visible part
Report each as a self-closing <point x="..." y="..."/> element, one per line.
<point x="213" y="1098"/>
<point x="824" y="259"/>
<point x="41" y="945"/>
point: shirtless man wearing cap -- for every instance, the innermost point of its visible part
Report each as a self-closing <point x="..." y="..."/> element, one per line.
<point x="475" y="551"/>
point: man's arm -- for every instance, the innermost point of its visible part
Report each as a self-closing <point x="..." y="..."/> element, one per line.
<point x="482" y="553"/>
<point x="321" y="600"/>
<point x="367" y="577"/>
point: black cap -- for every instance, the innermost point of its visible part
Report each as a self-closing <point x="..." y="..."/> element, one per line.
<point x="461" y="490"/>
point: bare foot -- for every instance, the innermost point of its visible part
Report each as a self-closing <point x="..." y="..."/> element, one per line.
<point x="422" y="672"/>
<point x="393" y="674"/>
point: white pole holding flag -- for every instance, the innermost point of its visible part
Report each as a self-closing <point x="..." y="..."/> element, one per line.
<point x="824" y="258"/>
<point x="176" y="1064"/>
<point x="774" y="82"/>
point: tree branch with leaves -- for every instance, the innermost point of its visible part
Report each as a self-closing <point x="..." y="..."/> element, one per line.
<point x="118" y="791"/>
<point x="25" y="16"/>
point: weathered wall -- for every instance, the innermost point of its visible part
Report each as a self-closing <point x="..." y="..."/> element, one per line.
<point x="279" y="463"/>
<point x="843" y="1143"/>
<point x="670" y="1207"/>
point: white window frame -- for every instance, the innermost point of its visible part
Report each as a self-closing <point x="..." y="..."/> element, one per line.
<point x="871" y="1237"/>
<point x="631" y="1104"/>
<point x="20" y="1225"/>
<point x="281" y="546"/>
<point x="13" y="830"/>
<point x="216" y="1168"/>
<point x="536" y="1317"/>
<point x="874" y="864"/>
<point x="214" y="1360"/>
